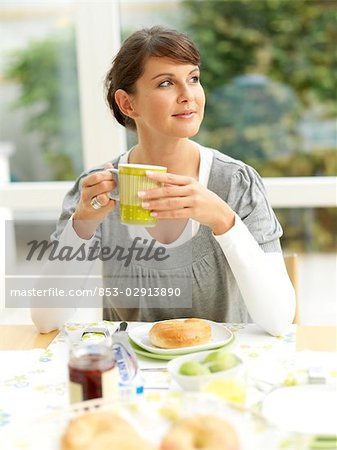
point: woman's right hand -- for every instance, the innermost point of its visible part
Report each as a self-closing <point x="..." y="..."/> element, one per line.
<point x="96" y="185"/>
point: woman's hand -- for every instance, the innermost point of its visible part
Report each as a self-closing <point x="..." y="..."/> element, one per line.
<point x="183" y="197"/>
<point x="96" y="185"/>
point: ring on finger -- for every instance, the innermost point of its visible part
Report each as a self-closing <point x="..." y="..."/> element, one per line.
<point x="95" y="203"/>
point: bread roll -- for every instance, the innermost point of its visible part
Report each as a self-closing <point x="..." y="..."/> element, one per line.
<point x="101" y="431"/>
<point x="178" y="333"/>
<point x="201" y="433"/>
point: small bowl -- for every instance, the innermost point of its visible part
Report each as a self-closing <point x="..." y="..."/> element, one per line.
<point x="196" y="382"/>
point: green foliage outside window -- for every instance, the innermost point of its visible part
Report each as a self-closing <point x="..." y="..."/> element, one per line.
<point x="294" y="42"/>
<point x="265" y="63"/>
<point x="46" y="71"/>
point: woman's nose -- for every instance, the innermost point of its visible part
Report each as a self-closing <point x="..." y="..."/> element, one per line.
<point x="185" y="94"/>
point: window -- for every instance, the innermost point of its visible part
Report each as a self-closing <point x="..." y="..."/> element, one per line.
<point x="40" y="115"/>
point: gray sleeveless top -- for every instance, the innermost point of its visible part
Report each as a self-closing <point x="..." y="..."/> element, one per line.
<point x="193" y="279"/>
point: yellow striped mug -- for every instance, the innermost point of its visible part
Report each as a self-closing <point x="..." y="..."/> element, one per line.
<point x="132" y="179"/>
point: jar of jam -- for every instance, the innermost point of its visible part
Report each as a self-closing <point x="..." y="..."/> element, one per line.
<point x="93" y="372"/>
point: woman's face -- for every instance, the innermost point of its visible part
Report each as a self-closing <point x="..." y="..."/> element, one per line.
<point x="169" y="99"/>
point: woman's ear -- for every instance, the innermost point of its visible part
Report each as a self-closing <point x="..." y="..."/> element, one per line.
<point x="124" y="102"/>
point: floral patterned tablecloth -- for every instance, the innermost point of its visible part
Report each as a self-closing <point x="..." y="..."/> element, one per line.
<point x="33" y="382"/>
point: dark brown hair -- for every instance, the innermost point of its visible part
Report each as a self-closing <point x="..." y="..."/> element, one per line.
<point x="128" y="65"/>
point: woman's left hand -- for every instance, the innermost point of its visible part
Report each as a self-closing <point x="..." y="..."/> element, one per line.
<point x="182" y="197"/>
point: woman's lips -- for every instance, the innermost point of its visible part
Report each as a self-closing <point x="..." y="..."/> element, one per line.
<point x="185" y="115"/>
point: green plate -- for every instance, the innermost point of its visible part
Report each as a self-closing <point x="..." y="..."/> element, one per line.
<point x="141" y="351"/>
<point x="324" y="443"/>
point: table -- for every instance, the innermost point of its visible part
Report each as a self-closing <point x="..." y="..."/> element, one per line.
<point x="23" y="337"/>
<point x="317" y="338"/>
<point x="33" y="377"/>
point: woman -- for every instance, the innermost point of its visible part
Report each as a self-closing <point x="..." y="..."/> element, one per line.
<point x="211" y="207"/>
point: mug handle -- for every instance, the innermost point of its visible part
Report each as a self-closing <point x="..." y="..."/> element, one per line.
<point x="111" y="195"/>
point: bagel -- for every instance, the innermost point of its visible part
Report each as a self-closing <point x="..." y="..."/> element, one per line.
<point x="201" y="433"/>
<point x="178" y="333"/>
<point x="101" y="431"/>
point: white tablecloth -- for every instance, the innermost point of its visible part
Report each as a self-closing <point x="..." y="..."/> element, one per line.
<point x="35" y="381"/>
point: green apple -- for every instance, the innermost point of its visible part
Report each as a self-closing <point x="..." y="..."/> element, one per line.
<point x="193" y="368"/>
<point x="217" y="367"/>
<point x="226" y="359"/>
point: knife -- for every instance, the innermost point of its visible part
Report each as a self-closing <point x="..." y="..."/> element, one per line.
<point x="122" y="327"/>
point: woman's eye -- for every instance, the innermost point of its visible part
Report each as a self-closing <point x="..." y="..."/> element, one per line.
<point x="195" y="79"/>
<point x="165" y="83"/>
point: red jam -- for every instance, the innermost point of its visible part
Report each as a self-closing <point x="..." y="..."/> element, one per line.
<point x="92" y="373"/>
